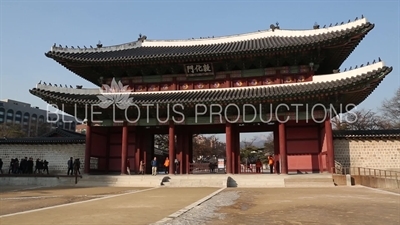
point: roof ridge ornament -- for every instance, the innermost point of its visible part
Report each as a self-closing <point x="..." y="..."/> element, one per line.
<point x="142" y="37"/>
<point x="274" y="27"/>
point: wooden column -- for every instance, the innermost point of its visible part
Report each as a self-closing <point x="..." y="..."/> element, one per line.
<point x="282" y="149"/>
<point x="144" y="139"/>
<point x="124" y="148"/>
<point x="276" y="151"/>
<point x="138" y="149"/>
<point x="235" y="149"/>
<point x="179" y="155"/>
<point x="108" y="149"/>
<point x="171" y="145"/>
<point x="237" y="143"/>
<point x="329" y="144"/>
<point x="88" y="147"/>
<point x="320" y="164"/>
<point x="185" y="162"/>
<point x="190" y="151"/>
<point x="228" y="132"/>
<point x="234" y="146"/>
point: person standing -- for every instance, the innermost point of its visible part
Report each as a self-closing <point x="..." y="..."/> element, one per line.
<point x="141" y="167"/>
<point x="70" y="164"/>
<point x="258" y="166"/>
<point x="1" y="166"/>
<point x="128" y="167"/>
<point x="271" y="164"/>
<point x="154" y="166"/>
<point x="166" y="165"/>
<point x="176" y="166"/>
<point x="46" y="166"/>
<point x="77" y="166"/>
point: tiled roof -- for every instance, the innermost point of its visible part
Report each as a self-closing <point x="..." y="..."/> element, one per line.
<point x="44" y="140"/>
<point x="60" y="132"/>
<point x="365" y="134"/>
<point x="324" y="84"/>
<point x="254" y="43"/>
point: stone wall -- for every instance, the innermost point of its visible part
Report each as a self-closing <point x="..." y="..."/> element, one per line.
<point x="56" y="154"/>
<point x="368" y="153"/>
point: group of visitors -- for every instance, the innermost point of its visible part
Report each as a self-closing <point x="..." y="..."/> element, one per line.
<point x="154" y="166"/>
<point x="74" y="166"/>
<point x="25" y="166"/>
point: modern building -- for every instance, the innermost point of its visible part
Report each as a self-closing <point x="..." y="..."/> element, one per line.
<point x="240" y="83"/>
<point x="33" y="120"/>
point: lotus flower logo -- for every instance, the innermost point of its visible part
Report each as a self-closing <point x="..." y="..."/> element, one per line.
<point x="117" y="94"/>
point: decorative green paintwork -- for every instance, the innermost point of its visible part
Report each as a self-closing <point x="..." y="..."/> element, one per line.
<point x="253" y="72"/>
<point x="152" y="79"/>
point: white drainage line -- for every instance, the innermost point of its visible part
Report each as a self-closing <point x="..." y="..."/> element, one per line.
<point x="187" y="208"/>
<point x="378" y="190"/>
<point x="75" y="203"/>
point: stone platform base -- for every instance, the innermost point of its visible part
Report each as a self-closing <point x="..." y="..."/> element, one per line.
<point x="201" y="180"/>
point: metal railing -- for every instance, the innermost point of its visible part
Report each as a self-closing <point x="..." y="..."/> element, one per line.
<point x="370" y="173"/>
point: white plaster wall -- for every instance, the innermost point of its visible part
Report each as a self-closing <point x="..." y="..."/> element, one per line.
<point x="56" y="154"/>
<point x="373" y="153"/>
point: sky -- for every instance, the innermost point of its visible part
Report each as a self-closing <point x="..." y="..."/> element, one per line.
<point x="28" y="29"/>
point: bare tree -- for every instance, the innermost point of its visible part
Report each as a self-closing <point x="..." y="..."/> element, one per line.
<point x="249" y="153"/>
<point x="11" y="131"/>
<point x="391" y="110"/>
<point x="360" y="120"/>
<point x="269" y="145"/>
<point x="162" y="140"/>
<point x="207" y="147"/>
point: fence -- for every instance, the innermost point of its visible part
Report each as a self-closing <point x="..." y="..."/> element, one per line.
<point x="203" y="168"/>
<point x="377" y="178"/>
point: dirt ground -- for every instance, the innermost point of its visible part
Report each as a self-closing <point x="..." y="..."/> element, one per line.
<point x="337" y="205"/>
<point x="18" y="199"/>
<point x="145" y="207"/>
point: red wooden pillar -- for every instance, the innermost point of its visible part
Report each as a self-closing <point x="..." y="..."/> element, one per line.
<point x="189" y="151"/>
<point x="237" y="143"/>
<point x="276" y="151"/>
<point x="171" y="146"/>
<point x="233" y="144"/>
<point x="184" y="152"/>
<point x="282" y="149"/>
<point x="88" y="147"/>
<point x="179" y="156"/>
<point x="320" y="164"/>
<point x="108" y="147"/>
<point x="329" y="144"/>
<point x="124" y="148"/>
<point x="235" y="149"/>
<point x="138" y="154"/>
<point x="228" y="132"/>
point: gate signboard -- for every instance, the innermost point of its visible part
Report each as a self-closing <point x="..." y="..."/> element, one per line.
<point x="221" y="166"/>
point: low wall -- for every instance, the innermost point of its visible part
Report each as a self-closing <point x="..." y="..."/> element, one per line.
<point x="339" y="180"/>
<point x="368" y="153"/>
<point x="368" y="181"/>
<point x="376" y="182"/>
<point x="56" y="154"/>
<point x="36" y="181"/>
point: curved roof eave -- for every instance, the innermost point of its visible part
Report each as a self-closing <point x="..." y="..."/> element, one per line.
<point x="143" y="42"/>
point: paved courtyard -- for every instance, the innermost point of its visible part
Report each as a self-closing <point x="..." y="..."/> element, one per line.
<point x="115" y="205"/>
<point x="336" y="205"/>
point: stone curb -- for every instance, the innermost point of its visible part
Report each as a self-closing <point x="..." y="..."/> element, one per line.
<point x="187" y="208"/>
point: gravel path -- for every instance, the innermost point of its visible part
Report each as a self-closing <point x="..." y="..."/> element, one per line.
<point x="204" y="213"/>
